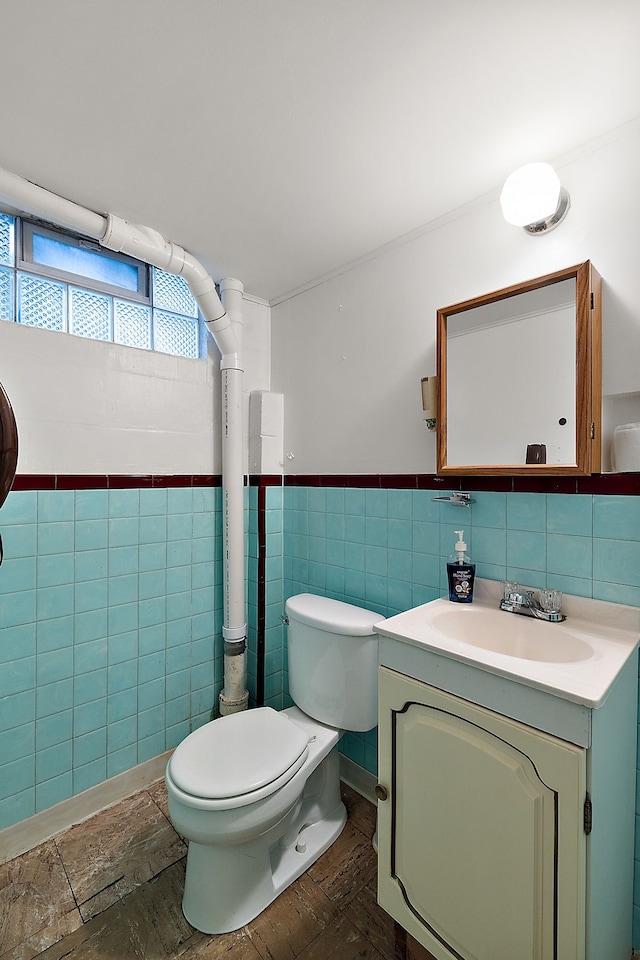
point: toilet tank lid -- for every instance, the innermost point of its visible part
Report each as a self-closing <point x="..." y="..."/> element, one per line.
<point x="237" y="754"/>
<point x="332" y="615"/>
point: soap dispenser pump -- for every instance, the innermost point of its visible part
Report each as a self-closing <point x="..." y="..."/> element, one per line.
<point x="461" y="573"/>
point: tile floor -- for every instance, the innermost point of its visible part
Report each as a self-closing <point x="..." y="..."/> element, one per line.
<point x="110" y="888"/>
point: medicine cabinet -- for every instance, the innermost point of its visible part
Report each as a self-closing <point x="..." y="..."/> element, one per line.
<point x="520" y="378"/>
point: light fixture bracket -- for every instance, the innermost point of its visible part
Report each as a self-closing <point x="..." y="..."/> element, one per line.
<point x="544" y="226"/>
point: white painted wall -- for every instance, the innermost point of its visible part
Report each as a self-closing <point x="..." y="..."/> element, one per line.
<point x="349" y="352"/>
<point x="83" y="406"/>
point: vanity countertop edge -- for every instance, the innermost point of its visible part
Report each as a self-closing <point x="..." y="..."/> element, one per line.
<point x="612" y="630"/>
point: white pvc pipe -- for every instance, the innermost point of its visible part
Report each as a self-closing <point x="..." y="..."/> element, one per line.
<point x="148" y="245"/>
<point x="29" y="198"/>
<point x="234" y="696"/>
<point x="137" y="241"/>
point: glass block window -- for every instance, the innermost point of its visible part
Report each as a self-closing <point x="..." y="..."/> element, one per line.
<point x="59" y="281"/>
<point x="42" y="303"/>
<point x="131" y="324"/>
<point x="7" y="232"/>
<point x="6" y="294"/>
<point x="172" y="293"/>
<point x="174" y="334"/>
<point x="90" y="314"/>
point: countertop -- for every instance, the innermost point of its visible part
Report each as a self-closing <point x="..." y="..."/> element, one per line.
<point x="610" y="630"/>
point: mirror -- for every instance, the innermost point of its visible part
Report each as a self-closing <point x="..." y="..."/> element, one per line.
<point x="520" y="381"/>
<point x="8" y="446"/>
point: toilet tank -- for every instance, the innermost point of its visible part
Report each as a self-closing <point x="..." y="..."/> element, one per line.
<point x="333" y="661"/>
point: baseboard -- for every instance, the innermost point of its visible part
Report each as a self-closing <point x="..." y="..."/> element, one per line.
<point x="28" y="833"/>
<point x="358" y="778"/>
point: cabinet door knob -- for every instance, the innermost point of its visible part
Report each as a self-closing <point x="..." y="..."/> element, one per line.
<point x="381" y="792"/>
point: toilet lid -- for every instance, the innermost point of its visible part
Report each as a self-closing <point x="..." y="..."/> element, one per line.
<point x="237" y="754"/>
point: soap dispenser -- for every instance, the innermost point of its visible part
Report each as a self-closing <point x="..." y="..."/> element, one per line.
<point x="461" y="573"/>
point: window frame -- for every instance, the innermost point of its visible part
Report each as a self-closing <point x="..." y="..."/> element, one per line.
<point x="23" y="265"/>
<point x="25" y="230"/>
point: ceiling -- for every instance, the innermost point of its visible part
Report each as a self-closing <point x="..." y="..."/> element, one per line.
<point x="278" y="140"/>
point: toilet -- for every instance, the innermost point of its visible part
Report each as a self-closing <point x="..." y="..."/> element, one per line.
<point x="257" y="793"/>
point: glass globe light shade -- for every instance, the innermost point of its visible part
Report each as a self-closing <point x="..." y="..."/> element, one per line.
<point x="530" y="194"/>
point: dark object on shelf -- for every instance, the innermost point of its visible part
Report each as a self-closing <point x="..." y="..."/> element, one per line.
<point x="536" y="453"/>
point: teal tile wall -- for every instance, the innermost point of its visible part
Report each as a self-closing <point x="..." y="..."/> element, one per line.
<point x="110" y="601"/>
<point x="386" y="550"/>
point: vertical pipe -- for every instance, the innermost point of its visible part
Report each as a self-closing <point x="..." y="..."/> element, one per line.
<point x="150" y="246"/>
<point x="234" y="696"/>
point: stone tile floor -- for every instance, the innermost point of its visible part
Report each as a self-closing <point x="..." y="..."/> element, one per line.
<point x="110" y="888"/>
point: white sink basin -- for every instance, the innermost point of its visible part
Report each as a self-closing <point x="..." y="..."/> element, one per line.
<point x="577" y="659"/>
<point x="513" y="635"/>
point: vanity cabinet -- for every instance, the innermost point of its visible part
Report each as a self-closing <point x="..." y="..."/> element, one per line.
<point x="506" y="813"/>
<point x="485" y="822"/>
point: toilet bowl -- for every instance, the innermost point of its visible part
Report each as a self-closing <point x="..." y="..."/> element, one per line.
<point x="257" y="793"/>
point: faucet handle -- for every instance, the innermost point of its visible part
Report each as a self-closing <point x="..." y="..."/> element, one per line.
<point x="510" y="589"/>
<point x="550" y="600"/>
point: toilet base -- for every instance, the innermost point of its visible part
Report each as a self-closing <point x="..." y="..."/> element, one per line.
<point x="227" y="886"/>
<point x="246" y="882"/>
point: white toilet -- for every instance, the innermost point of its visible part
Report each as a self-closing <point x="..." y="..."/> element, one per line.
<point x="257" y="793"/>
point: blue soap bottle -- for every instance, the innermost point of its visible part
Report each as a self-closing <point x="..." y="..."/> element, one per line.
<point x="461" y="573"/>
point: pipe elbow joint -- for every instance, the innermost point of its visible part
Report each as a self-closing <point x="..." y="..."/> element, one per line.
<point x="116" y="231"/>
<point x="148" y="245"/>
<point x="231" y="361"/>
<point x="143" y="243"/>
<point x="224" y="335"/>
<point x="234" y="634"/>
<point x="177" y="259"/>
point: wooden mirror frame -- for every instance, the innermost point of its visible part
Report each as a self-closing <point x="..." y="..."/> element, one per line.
<point x="8" y="446"/>
<point x="588" y="377"/>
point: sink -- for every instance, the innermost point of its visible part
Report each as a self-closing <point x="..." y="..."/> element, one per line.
<point x="512" y="635"/>
<point x="577" y="659"/>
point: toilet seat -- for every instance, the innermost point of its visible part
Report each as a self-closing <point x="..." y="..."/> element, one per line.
<point x="239" y="758"/>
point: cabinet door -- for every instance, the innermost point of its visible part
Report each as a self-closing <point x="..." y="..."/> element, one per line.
<point x="481" y="841"/>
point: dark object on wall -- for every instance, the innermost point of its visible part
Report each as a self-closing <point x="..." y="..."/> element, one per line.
<point x="8" y="446"/>
<point x="536" y="453"/>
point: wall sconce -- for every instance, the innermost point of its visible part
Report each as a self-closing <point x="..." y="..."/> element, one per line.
<point x="533" y="197"/>
<point x="429" y="386"/>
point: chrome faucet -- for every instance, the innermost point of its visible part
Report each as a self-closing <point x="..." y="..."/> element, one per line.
<point x="544" y="606"/>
